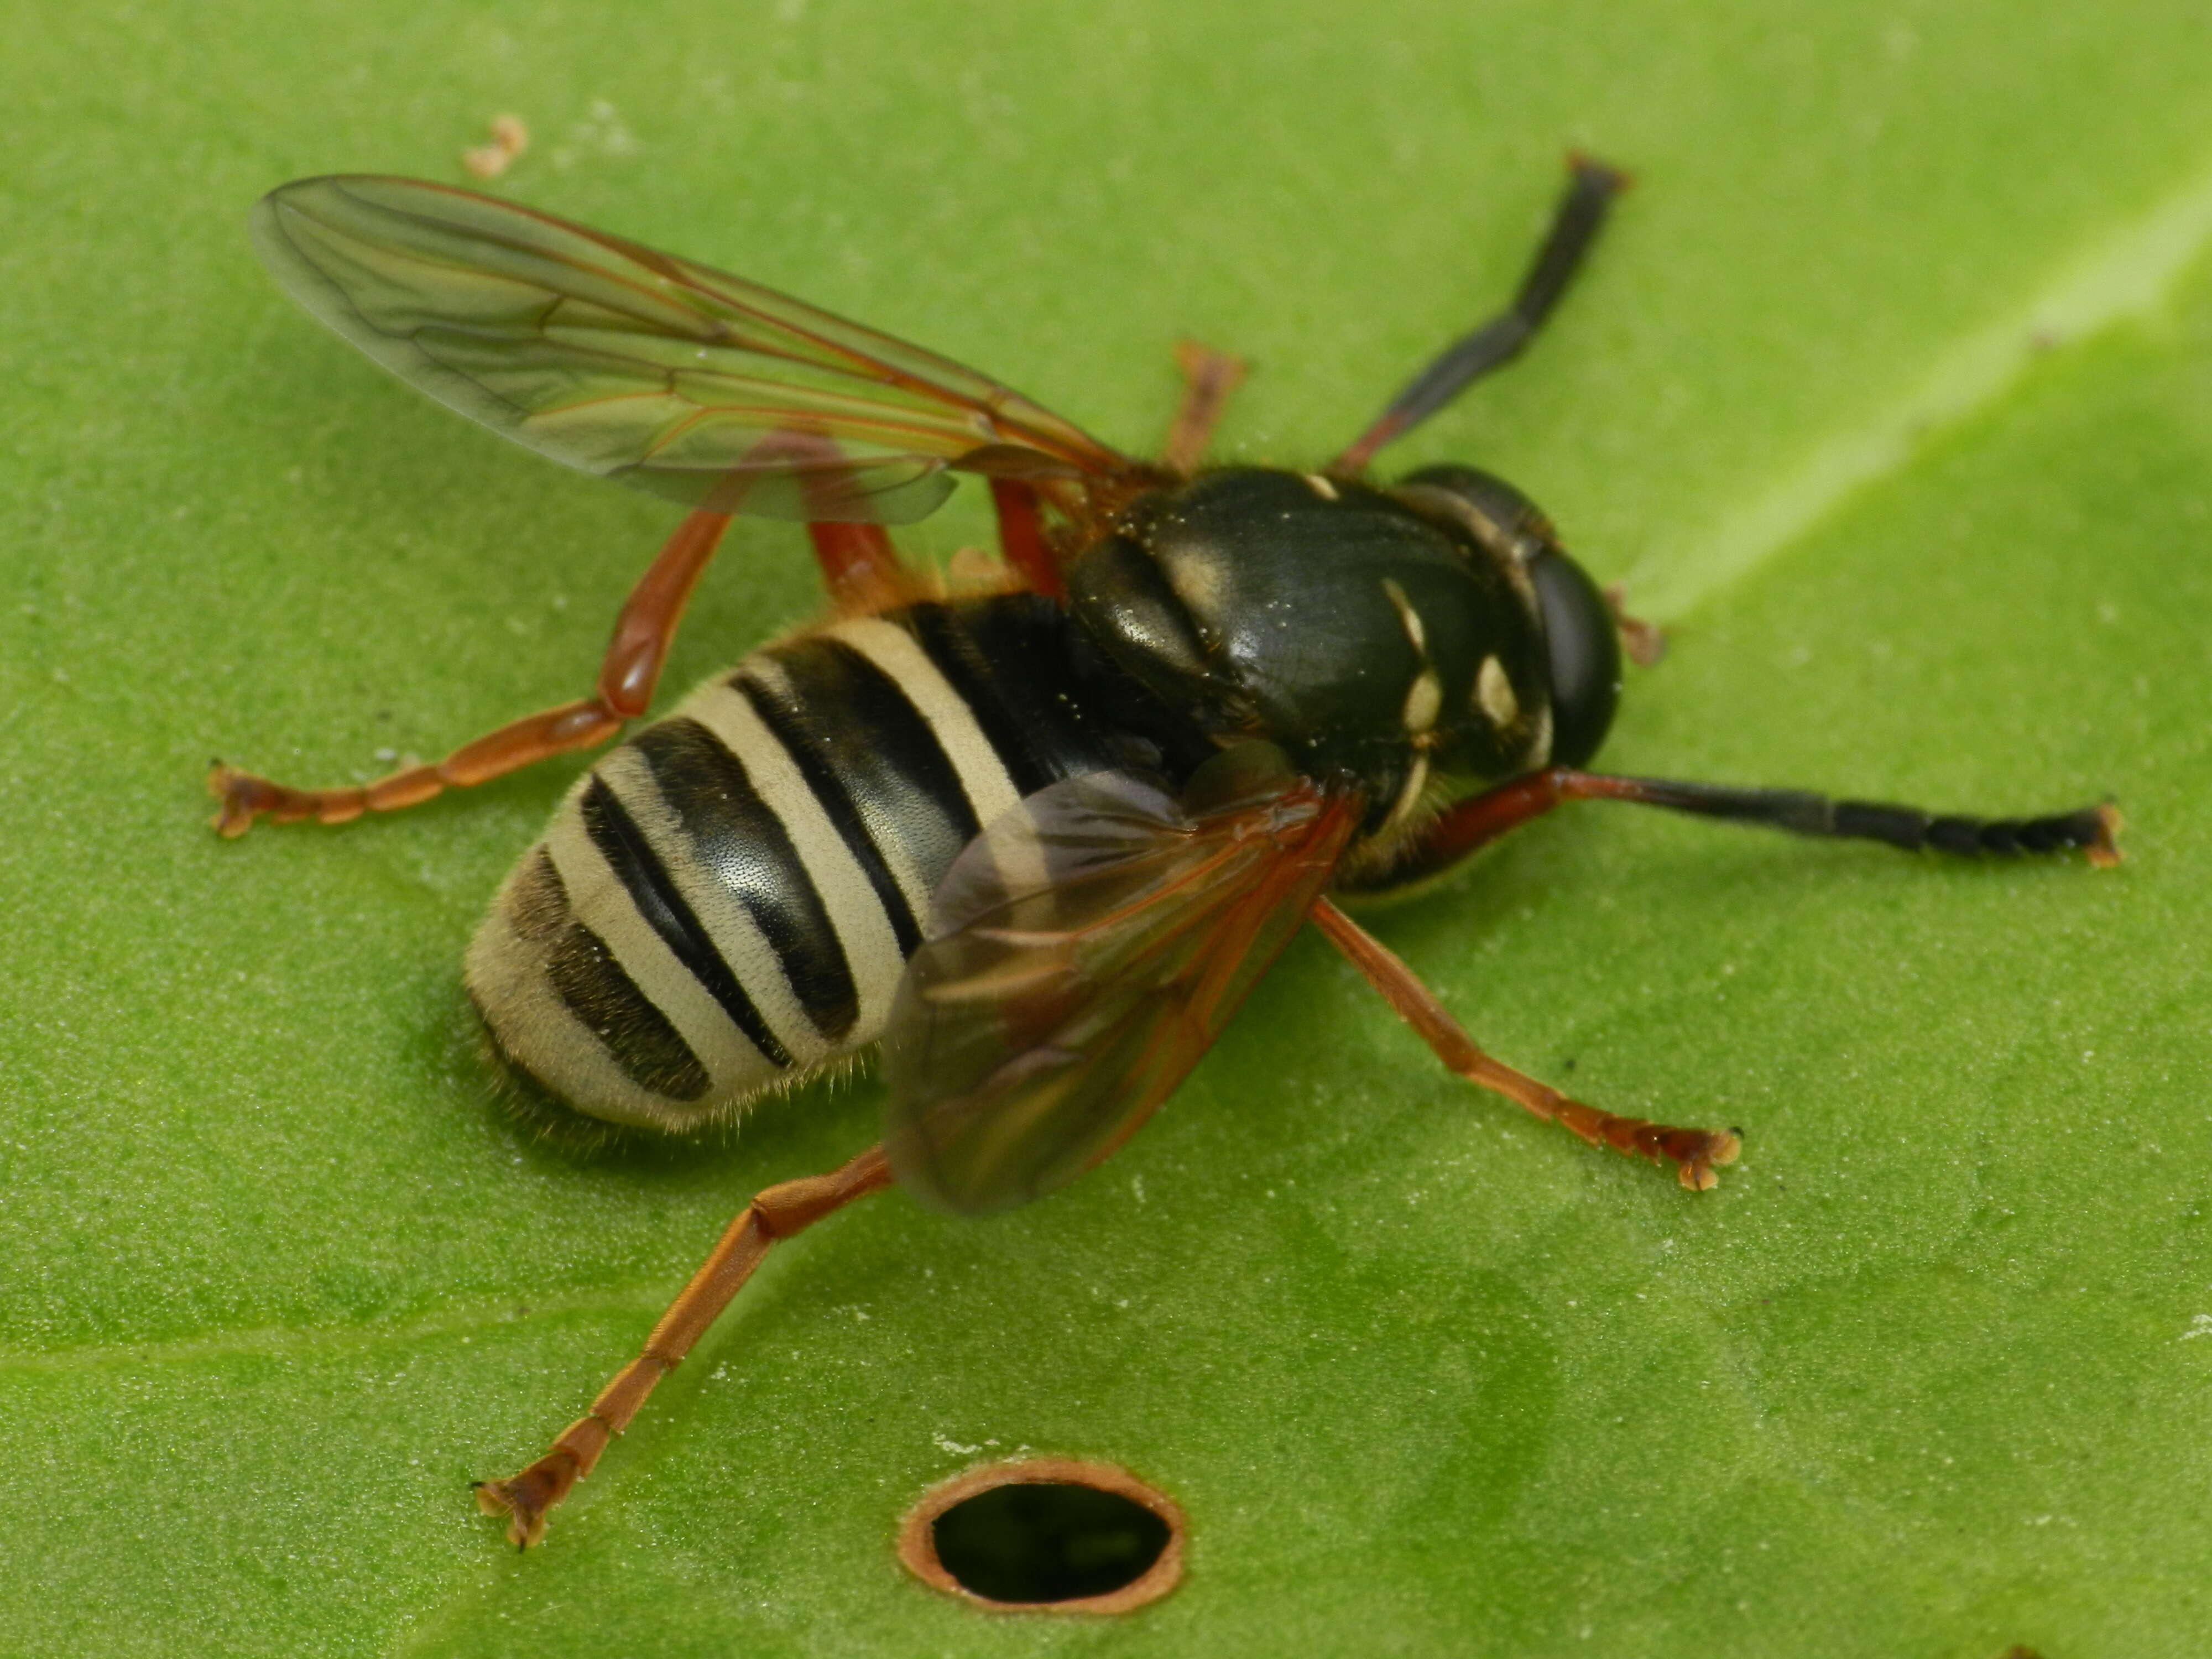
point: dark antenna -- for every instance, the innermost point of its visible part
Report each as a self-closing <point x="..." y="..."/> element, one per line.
<point x="1575" y="224"/>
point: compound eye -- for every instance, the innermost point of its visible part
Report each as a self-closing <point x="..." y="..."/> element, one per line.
<point x="1584" y="649"/>
<point x="1579" y="632"/>
<point x="1505" y="517"/>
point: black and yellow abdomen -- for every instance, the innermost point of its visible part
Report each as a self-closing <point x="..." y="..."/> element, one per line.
<point x="723" y="905"/>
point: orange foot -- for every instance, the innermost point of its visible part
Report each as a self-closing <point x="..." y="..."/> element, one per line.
<point x="524" y="1498"/>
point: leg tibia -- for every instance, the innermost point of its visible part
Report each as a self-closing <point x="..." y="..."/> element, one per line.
<point x="627" y="674"/>
<point x="245" y="797"/>
<point x="862" y="569"/>
<point x="775" y="1212"/>
<point x="2093" y="831"/>
<point x="1591" y="187"/>
<point x="1208" y="378"/>
<point x="1468" y="825"/>
<point x="1694" y="1153"/>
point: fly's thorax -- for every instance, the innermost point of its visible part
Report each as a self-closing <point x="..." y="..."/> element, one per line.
<point x="1368" y="634"/>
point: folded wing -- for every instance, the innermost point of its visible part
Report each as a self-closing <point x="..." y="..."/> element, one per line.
<point x="1084" y="952"/>
<point x="620" y="361"/>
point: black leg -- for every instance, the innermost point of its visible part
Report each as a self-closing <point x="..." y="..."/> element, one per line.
<point x="2087" y="829"/>
<point x="1466" y="825"/>
<point x="1575" y="226"/>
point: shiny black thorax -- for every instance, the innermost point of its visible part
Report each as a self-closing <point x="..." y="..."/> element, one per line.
<point x="1380" y="637"/>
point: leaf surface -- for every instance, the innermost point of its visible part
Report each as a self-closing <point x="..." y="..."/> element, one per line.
<point x="1892" y="391"/>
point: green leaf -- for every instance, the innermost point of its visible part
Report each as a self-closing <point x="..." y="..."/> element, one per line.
<point x="1891" y="391"/>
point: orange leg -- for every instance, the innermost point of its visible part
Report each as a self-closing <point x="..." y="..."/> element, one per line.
<point x="777" y="1212"/>
<point x="1022" y="538"/>
<point x="1208" y="378"/>
<point x="861" y="568"/>
<point x="1693" y="1153"/>
<point x="628" y="675"/>
<point x="1645" y="641"/>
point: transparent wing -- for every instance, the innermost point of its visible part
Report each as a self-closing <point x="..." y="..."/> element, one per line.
<point x="1084" y="952"/>
<point x="608" y="356"/>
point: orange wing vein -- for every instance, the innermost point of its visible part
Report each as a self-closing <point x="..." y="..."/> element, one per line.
<point x="610" y="357"/>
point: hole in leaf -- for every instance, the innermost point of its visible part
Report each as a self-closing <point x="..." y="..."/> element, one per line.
<point x="1047" y="1542"/>
<point x="1049" y="1535"/>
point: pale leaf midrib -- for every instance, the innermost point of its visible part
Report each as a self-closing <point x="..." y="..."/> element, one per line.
<point x="2126" y="273"/>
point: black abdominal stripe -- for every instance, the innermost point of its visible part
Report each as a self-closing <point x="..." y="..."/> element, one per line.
<point x="725" y="903"/>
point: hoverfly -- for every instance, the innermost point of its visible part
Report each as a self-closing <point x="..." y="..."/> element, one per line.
<point x="1038" y="838"/>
